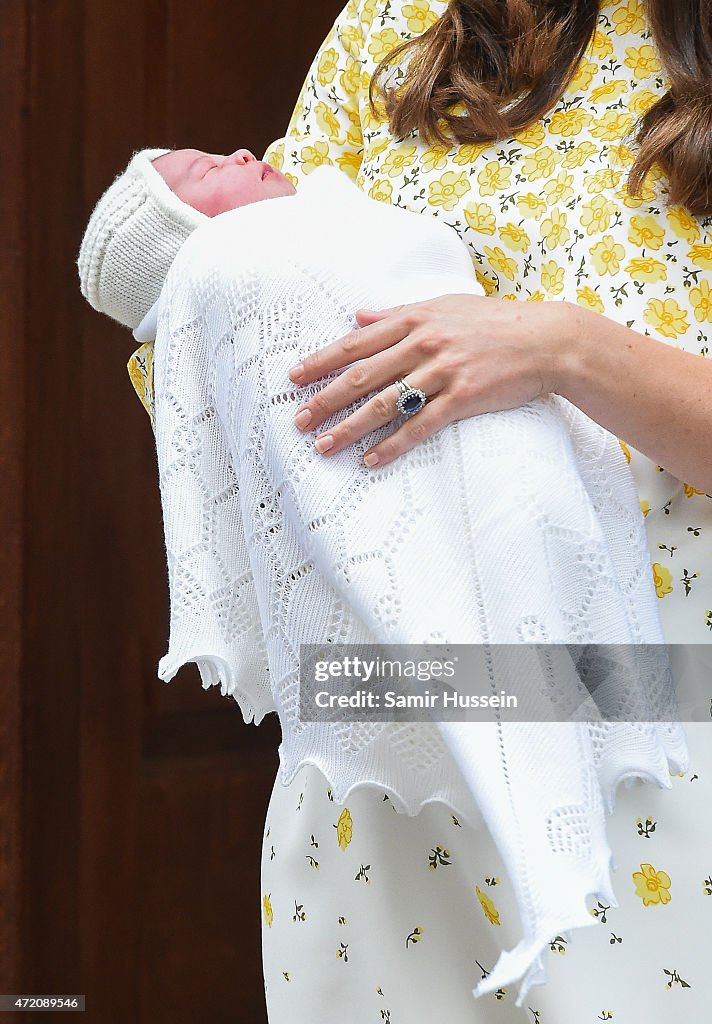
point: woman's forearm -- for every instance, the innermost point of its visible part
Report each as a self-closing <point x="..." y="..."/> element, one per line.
<point x="651" y="395"/>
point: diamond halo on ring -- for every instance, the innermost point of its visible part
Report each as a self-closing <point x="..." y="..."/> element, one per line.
<point x="410" y="400"/>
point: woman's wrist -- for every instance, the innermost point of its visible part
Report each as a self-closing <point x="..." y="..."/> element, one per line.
<point x="642" y="389"/>
<point x="564" y="348"/>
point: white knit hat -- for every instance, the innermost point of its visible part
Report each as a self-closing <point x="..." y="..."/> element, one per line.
<point x="133" y="236"/>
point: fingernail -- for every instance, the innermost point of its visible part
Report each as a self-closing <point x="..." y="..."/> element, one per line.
<point x="297" y="371"/>
<point x="371" y="459"/>
<point x="323" y="444"/>
<point x="303" y="418"/>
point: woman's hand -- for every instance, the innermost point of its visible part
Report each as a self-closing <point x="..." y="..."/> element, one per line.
<point x="469" y="353"/>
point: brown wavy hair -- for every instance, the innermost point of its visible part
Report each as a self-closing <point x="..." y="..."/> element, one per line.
<point x="509" y="61"/>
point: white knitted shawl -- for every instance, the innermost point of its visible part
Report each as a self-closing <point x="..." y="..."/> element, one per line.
<point x="513" y="527"/>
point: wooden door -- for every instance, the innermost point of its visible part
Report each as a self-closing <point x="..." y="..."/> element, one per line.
<point x="131" y="811"/>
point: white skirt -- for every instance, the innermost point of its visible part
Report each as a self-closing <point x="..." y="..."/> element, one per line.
<point x="370" y="916"/>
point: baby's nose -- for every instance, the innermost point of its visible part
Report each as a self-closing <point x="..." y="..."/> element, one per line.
<point x="242" y="156"/>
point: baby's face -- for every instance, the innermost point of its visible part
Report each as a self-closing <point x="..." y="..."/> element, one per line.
<point x="213" y="184"/>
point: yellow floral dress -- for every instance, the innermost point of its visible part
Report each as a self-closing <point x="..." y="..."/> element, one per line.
<point x="371" y="916"/>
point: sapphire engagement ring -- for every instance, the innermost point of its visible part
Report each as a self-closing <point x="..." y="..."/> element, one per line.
<point x="410" y="399"/>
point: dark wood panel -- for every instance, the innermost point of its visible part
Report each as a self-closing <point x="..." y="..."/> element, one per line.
<point x="13" y="199"/>
<point x="54" y="472"/>
<point x="200" y="889"/>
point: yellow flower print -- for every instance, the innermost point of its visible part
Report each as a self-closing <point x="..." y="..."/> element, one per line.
<point x="642" y="60"/>
<point x="446" y="190"/>
<point x="486" y="280"/>
<point x="701" y="255"/>
<point x="645" y="507"/>
<point x="499" y="261"/>
<point x="540" y="164"/>
<point x="351" y="38"/>
<point x="276" y="156"/>
<point x="588" y="297"/>
<point x="645" y="268"/>
<point x="537" y="296"/>
<point x="642" y="198"/>
<point x="601" y="180"/>
<point x="609" y="91"/>
<point x="375" y="148"/>
<point x="568" y="123"/>
<point x="136" y="375"/>
<point x="652" y="886"/>
<point x="600" y="45"/>
<point x="584" y="73"/>
<point x="533" y="136"/>
<point x="607" y="254"/>
<point x="701" y="302"/>
<point x="641" y="101"/>
<point x="344" y="828"/>
<point x="458" y="109"/>
<point x="351" y="77"/>
<point x="327" y="67"/>
<point x="328" y="122"/>
<point x="690" y="491"/>
<point x="646" y="232"/>
<point x="552" y="277"/>
<point x="558" y="190"/>
<point x="554" y="229"/>
<point x="381" y="43"/>
<point x="578" y="156"/>
<point x="398" y="159"/>
<point x="493" y="176"/>
<point x="629" y="18"/>
<point x="480" y="217"/>
<point x="415" y="936"/>
<point x="621" y="154"/>
<point x="314" y="156"/>
<point x="267" y="908"/>
<point x="683" y="223"/>
<point x="372" y="122"/>
<point x="515" y="237"/>
<point x="349" y="163"/>
<point x="468" y="153"/>
<point x="419" y="16"/>
<point x="354" y="137"/>
<point x="597" y="215"/>
<point x="667" y="317"/>
<point x="434" y="158"/>
<point x="612" y="126"/>
<point x="296" y="124"/>
<point x="662" y="578"/>
<point x="368" y="10"/>
<point x="490" y="911"/>
<point x="626" y="450"/>
<point x="531" y="204"/>
<point x="381" y="190"/>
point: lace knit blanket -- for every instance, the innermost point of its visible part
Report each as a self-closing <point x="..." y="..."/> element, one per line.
<point x="509" y="528"/>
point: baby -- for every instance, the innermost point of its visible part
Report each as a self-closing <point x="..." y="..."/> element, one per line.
<point x="142" y="220"/>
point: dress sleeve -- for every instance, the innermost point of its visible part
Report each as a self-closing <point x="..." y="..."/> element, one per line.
<point x="140" y="369"/>
<point x="325" y="127"/>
